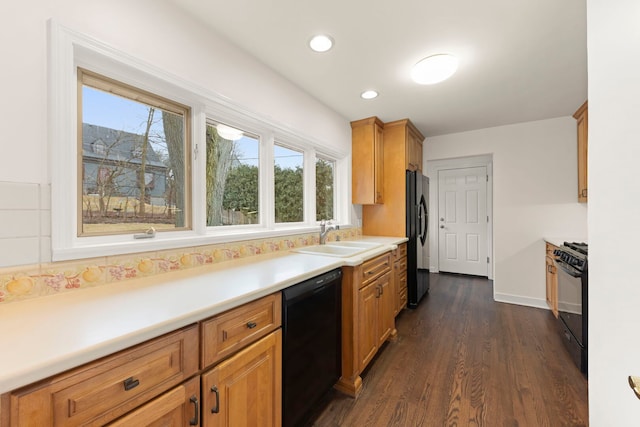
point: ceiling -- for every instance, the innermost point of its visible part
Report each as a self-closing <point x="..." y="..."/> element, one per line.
<point x="520" y="60"/>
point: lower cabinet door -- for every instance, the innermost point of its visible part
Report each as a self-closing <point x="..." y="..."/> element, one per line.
<point x="179" y="406"/>
<point x="246" y="389"/>
<point x="386" y="302"/>
<point x="367" y="323"/>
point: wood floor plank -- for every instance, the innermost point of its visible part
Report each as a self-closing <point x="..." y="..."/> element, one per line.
<point x="462" y="359"/>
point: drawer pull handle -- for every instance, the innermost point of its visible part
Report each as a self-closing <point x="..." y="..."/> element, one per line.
<point x="196" y="411"/>
<point x="130" y="383"/>
<point x="251" y="325"/>
<point x="216" y="409"/>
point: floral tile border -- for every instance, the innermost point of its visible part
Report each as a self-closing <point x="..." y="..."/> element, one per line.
<point x="33" y="281"/>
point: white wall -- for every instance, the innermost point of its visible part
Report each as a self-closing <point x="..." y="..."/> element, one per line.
<point x="614" y="210"/>
<point x="156" y="33"/>
<point x="534" y="196"/>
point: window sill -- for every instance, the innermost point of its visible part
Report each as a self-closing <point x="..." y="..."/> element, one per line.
<point x="84" y="251"/>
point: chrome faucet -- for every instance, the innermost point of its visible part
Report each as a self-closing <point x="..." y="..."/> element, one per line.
<point x="325" y="228"/>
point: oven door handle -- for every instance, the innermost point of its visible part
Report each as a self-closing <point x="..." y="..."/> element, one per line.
<point x="568" y="269"/>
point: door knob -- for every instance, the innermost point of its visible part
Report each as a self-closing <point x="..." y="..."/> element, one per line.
<point x="441" y="219"/>
<point x="442" y="226"/>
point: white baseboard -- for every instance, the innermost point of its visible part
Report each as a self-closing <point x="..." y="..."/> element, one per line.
<point x="518" y="300"/>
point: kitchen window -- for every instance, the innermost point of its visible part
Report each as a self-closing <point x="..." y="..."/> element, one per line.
<point x="288" y="176"/>
<point x="232" y="175"/>
<point x="132" y="146"/>
<point x="325" y="188"/>
<point x="142" y="160"/>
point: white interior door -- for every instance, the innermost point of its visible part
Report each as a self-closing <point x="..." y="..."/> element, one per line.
<point x="462" y="221"/>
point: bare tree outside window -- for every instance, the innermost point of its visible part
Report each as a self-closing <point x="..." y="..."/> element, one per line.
<point x="133" y="159"/>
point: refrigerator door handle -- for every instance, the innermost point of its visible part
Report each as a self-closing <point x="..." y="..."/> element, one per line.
<point x="423" y="215"/>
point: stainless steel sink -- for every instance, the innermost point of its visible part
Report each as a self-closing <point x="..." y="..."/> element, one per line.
<point x="338" y="249"/>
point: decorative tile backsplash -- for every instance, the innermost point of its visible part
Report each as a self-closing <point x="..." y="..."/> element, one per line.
<point x="24" y="282"/>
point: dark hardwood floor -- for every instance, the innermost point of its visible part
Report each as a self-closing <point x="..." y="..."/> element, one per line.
<point x="462" y="359"/>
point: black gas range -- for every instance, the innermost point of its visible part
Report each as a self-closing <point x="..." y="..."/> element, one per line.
<point x="573" y="297"/>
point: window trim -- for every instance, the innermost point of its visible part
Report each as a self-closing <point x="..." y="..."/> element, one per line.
<point x="69" y="50"/>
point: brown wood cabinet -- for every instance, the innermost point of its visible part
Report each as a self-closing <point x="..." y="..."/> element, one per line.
<point x="241" y="391"/>
<point x="402" y="141"/>
<point x="227" y="333"/>
<point x="399" y="278"/>
<point x="582" y="120"/>
<point x="375" y="317"/>
<point x="367" y="161"/>
<point x="367" y="318"/>
<point x="178" y="407"/>
<point x="101" y="391"/>
<point x="158" y="383"/>
<point x="414" y="149"/>
<point x="551" y="279"/>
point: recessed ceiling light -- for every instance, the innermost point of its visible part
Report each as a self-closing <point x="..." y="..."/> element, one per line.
<point x="369" y="94"/>
<point x="434" y="69"/>
<point x="321" y="43"/>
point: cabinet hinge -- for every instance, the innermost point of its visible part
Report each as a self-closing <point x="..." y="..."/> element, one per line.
<point x="487" y="218"/>
<point x="487" y="178"/>
<point x="487" y="260"/>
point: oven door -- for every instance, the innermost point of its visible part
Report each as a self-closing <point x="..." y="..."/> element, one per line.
<point x="570" y="299"/>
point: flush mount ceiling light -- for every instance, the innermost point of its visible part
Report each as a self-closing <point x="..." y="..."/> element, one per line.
<point x="229" y="133"/>
<point x="321" y="43"/>
<point x="369" y="94"/>
<point x="434" y="69"/>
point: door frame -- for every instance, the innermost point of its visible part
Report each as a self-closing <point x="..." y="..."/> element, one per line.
<point x="435" y="166"/>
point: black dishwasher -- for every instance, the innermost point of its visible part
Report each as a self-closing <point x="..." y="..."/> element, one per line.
<point x="311" y="312"/>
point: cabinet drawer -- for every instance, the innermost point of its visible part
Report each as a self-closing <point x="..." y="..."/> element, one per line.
<point x="374" y="268"/>
<point x="236" y="328"/>
<point x="401" y="251"/>
<point x="402" y="264"/>
<point x="403" y="298"/>
<point x="178" y="407"/>
<point x="102" y="391"/>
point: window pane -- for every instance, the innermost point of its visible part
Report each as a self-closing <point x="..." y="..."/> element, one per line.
<point x="133" y="162"/>
<point x="232" y="176"/>
<point x="325" y="179"/>
<point x="288" y="180"/>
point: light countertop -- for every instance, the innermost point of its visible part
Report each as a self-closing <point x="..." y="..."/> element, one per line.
<point x="48" y="335"/>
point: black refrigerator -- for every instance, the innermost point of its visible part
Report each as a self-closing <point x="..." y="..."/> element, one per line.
<point x="417" y="232"/>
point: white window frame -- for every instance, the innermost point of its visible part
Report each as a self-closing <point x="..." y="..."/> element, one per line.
<point x="70" y="50"/>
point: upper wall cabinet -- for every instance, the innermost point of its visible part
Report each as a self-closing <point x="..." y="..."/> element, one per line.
<point x="414" y="148"/>
<point x="409" y="137"/>
<point x="367" y="161"/>
<point x="582" y="119"/>
<point x="402" y="149"/>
